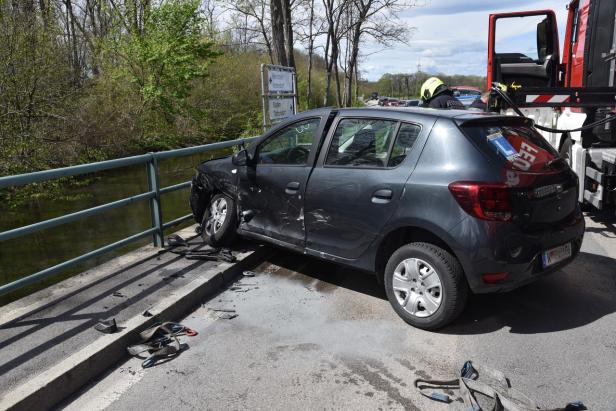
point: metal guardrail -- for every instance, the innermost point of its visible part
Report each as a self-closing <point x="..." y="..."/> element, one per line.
<point x="152" y="195"/>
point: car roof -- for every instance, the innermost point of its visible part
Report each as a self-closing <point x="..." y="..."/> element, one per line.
<point x="465" y="88"/>
<point x="417" y="113"/>
<point x="458" y="115"/>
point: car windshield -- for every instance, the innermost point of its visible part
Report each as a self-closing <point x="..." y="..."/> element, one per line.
<point x="519" y="147"/>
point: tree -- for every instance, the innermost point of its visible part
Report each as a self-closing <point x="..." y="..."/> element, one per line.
<point x="375" y="19"/>
<point x="255" y="10"/>
<point x="165" y="51"/>
<point x="278" y="31"/>
<point x="334" y="11"/>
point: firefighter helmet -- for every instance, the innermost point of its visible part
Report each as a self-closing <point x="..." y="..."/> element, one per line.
<point x="432" y="87"/>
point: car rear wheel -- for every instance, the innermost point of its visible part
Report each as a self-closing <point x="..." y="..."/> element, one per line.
<point x="425" y="285"/>
<point x="219" y="221"/>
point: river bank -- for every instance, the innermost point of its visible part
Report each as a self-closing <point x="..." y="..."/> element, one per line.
<point x="25" y="255"/>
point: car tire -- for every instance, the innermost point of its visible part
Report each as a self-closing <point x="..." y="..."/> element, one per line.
<point x="219" y="225"/>
<point x="429" y="302"/>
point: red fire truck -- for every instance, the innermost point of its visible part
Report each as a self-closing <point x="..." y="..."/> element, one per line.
<point x="564" y="94"/>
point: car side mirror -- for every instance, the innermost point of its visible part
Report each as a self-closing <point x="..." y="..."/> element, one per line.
<point x="240" y="158"/>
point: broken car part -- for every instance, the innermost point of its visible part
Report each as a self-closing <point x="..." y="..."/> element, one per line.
<point x="160" y="342"/>
<point x="483" y="388"/>
<point x="107" y="327"/>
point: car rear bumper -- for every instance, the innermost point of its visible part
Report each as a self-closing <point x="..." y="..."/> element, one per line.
<point x="504" y="248"/>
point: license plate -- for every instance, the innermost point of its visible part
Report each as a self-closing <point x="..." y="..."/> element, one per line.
<point x="556" y="255"/>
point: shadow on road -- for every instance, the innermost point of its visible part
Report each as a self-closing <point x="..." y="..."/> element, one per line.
<point x="581" y="293"/>
<point x="607" y="221"/>
<point x="327" y="272"/>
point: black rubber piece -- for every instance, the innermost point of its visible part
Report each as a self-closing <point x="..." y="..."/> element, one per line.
<point x="107" y="327"/>
<point x="566" y="150"/>
<point x="454" y="286"/>
<point x="228" y="232"/>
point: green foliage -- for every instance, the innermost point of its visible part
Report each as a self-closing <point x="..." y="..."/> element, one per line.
<point x="165" y="56"/>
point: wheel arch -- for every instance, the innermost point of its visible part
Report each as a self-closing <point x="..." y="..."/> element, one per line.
<point x="400" y="236"/>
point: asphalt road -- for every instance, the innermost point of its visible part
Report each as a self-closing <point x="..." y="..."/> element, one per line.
<point x="311" y="335"/>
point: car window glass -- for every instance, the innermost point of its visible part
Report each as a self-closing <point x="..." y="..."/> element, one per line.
<point x="407" y="135"/>
<point x="519" y="147"/>
<point x="361" y="143"/>
<point x="291" y="145"/>
<point x="512" y="36"/>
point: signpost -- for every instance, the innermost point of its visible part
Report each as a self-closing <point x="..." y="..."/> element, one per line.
<point x="278" y="93"/>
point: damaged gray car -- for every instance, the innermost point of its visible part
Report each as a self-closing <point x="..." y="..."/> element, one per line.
<point x="436" y="203"/>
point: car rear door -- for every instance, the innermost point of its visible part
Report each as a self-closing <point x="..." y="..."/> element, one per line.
<point x="272" y="186"/>
<point x="357" y="182"/>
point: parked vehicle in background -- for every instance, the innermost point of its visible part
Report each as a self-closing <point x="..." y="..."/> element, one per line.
<point x="435" y="202"/>
<point x="569" y="93"/>
<point x="411" y="103"/>
<point x="466" y="94"/>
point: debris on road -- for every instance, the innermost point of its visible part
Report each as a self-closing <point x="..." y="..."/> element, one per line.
<point x="160" y="343"/>
<point x="107" y="327"/>
<point x="178" y="245"/>
<point x="241" y="289"/>
<point x="483" y="388"/>
<point x="224" y="313"/>
<point x="211" y="254"/>
<point x="176" y="241"/>
<point x="249" y="274"/>
<point x="118" y="294"/>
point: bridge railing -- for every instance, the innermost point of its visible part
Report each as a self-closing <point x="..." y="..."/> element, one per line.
<point x="153" y="195"/>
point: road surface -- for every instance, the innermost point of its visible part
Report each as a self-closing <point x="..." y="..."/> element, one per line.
<point x="311" y="335"/>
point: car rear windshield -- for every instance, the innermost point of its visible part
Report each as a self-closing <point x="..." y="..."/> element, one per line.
<point x="519" y="147"/>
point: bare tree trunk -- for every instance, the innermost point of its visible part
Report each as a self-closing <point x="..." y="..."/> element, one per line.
<point x="408" y="89"/>
<point x="310" y="53"/>
<point x="288" y="32"/>
<point x="70" y="16"/>
<point x="356" y="83"/>
<point x="278" y="32"/>
<point x="338" y="88"/>
<point x="45" y="11"/>
<point x="328" y="71"/>
<point x="352" y="65"/>
<point x="266" y="39"/>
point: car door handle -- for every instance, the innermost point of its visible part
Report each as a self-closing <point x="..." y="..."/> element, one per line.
<point x="292" y="188"/>
<point x="382" y="196"/>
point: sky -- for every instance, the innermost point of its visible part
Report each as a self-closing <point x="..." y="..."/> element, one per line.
<point x="451" y="37"/>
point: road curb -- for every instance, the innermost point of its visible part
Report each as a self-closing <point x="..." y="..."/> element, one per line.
<point x="54" y="385"/>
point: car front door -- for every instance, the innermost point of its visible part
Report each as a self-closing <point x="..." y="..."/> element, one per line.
<point x="357" y="182"/>
<point x="272" y="186"/>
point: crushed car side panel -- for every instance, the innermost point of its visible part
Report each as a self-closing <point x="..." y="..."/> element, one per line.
<point x="218" y="175"/>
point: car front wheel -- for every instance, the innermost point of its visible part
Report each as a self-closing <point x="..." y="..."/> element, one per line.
<point x="219" y="221"/>
<point x="425" y="285"/>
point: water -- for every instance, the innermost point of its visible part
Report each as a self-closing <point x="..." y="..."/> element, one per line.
<point x="28" y="254"/>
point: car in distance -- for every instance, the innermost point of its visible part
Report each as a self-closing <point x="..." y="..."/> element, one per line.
<point x="410" y="103"/>
<point x="466" y="94"/>
<point x="436" y="203"/>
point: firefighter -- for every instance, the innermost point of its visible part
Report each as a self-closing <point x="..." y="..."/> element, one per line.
<point x="436" y="94"/>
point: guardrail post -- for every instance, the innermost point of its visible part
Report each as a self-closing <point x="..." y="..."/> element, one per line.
<point x="155" y="205"/>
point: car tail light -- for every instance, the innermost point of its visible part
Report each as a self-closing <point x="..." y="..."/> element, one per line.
<point x="494" y="278"/>
<point x="487" y="201"/>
